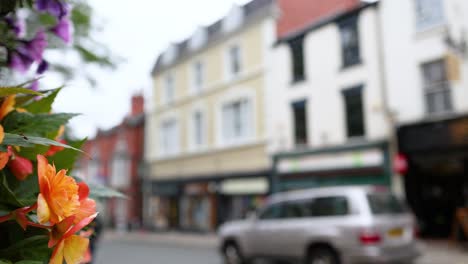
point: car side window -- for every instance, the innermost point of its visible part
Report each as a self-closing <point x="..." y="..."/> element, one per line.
<point x="329" y="206"/>
<point x="273" y="211"/>
<point x="295" y="210"/>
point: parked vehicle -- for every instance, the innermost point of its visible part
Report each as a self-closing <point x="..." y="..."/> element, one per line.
<point x="359" y="224"/>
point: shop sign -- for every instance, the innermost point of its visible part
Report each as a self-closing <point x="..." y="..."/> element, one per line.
<point x="196" y="188"/>
<point x="259" y="185"/>
<point x="332" y="161"/>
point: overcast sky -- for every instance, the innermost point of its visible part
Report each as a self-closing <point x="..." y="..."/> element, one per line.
<point x="137" y="31"/>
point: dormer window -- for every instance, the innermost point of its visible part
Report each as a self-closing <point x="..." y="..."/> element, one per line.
<point x="170" y="55"/>
<point x="198" y="39"/>
<point x="234" y="19"/>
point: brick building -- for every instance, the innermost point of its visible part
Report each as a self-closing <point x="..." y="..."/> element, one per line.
<point x="116" y="158"/>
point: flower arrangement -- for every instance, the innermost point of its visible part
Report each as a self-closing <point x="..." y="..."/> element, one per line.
<point x="44" y="212"/>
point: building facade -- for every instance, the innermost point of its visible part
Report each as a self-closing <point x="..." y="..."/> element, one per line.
<point x="326" y="117"/>
<point x="206" y="149"/>
<point x="361" y="80"/>
<point x="116" y="161"/>
<point x="427" y="79"/>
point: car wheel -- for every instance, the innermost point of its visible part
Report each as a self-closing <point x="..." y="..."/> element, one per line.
<point x="322" y="255"/>
<point x="232" y="254"/>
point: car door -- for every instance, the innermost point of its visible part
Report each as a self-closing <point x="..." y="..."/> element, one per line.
<point x="265" y="231"/>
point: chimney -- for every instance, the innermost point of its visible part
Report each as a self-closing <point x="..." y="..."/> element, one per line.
<point x="138" y="105"/>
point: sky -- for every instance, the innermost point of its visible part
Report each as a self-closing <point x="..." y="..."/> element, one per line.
<point x="136" y="31"/>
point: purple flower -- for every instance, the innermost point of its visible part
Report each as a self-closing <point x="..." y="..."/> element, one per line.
<point x="19" y="60"/>
<point x="17" y="24"/>
<point x="27" y="52"/>
<point x="34" y="85"/>
<point x="63" y="29"/>
<point x="53" y="7"/>
<point x="36" y="46"/>
<point x="43" y="66"/>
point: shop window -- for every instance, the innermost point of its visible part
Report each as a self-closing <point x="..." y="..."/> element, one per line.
<point x="354" y="111"/>
<point x="429" y="13"/>
<point x="349" y="34"/>
<point x="436" y="87"/>
<point x="299" y="110"/>
<point x="298" y="67"/>
<point x="237" y="121"/>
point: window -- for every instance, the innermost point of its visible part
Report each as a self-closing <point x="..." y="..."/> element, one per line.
<point x="295" y="210"/>
<point x="436" y="87"/>
<point x="329" y="206"/>
<point x="169" y="89"/>
<point x="350" y="41"/>
<point x="120" y="171"/>
<point x="385" y="204"/>
<point x="198" y="73"/>
<point x="300" y="122"/>
<point x="169" y="138"/>
<point x="237" y="121"/>
<point x="429" y="13"/>
<point x="354" y="112"/>
<point x="298" y="67"/>
<point x="272" y="212"/>
<point x="198" y="131"/>
<point x="234" y="61"/>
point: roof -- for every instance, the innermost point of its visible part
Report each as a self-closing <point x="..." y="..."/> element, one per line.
<point x="329" y="17"/>
<point x="252" y="11"/>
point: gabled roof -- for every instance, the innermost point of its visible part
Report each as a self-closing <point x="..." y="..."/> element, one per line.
<point x="252" y="11"/>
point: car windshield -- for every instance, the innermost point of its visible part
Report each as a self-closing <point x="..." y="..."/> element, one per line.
<point x="384" y="203"/>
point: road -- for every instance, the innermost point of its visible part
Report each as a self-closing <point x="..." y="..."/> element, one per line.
<point x="148" y="249"/>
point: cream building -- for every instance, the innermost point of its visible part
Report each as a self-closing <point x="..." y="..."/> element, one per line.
<point x="206" y="139"/>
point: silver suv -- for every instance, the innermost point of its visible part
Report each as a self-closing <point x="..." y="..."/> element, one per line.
<point x="359" y="224"/>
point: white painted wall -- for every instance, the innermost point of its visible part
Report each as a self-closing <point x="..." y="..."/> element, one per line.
<point x="406" y="49"/>
<point x="325" y="80"/>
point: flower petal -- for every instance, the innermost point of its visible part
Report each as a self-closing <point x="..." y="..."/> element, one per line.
<point x="57" y="254"/>
<point x="4" y="158"/>
<point x="7" y="106"/>
<point x="83" y="190"/>
<point x="75" y="249"/>
<point x="43" y="211"/>
<point x="80" y="225"/>
<point x="87" y="208"/>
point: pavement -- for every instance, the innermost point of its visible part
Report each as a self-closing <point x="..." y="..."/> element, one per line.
<point x="173" y="247"/>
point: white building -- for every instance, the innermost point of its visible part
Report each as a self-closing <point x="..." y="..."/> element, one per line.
<point x="345" y="88"/>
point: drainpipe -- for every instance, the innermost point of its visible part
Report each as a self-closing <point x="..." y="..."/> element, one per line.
<point x="396" y="180"/>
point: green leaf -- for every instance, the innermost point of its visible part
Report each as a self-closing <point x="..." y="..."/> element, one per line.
<point x="26" y="191"/>
<point x="66" y="158"/>
<point x="101" y="191"/>
<point x="25" y="244"/>
<point x="7" y="196"/>
<point x="29" y="141"/>
<point x="29" y="262"/>
<point x="6" y="91"/>
<point x="3" y="261"/>
<point x="35" y="124"/>
<point x="44" y="105"/>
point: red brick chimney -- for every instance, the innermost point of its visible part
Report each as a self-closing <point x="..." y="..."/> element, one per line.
<point x="138" y="105"/>
<point x="297" y="14"/>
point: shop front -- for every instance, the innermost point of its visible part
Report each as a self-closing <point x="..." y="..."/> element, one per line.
<point x="353" y="164"/>
<point x="197" y="207"/>
<point x="165" y="206"/>
<point x="436" y="181"/>
<point x="239" y="197"/>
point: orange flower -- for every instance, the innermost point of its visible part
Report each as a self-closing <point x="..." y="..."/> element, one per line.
<point x="87" y="206"/>
<point x="58" y="197"/>
<point x="7" y="106"/>
<point x="69" y="246"/>
<point x="4" y="156"/>
<point x="20" y="167"/>
<point x="54" y="149"/>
